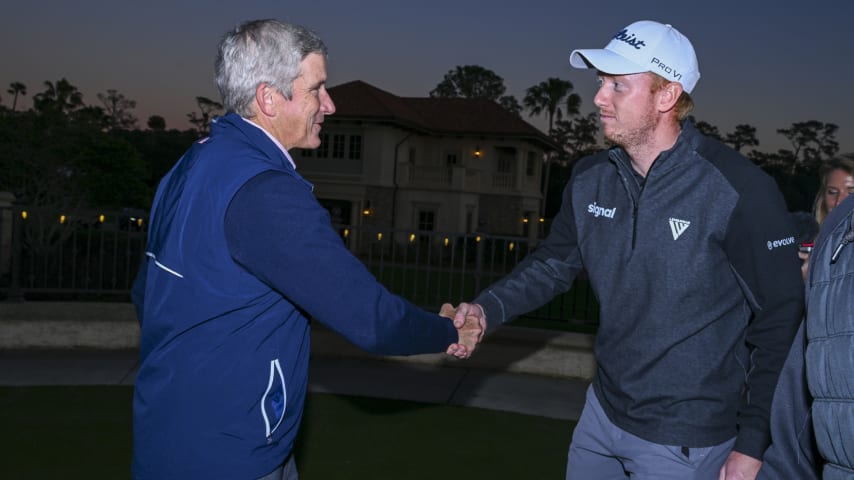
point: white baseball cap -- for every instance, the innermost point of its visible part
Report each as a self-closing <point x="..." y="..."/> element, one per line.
<point x="644" y="46"/>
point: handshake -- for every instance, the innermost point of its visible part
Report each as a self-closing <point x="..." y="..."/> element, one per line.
<point x="470" y="322"/>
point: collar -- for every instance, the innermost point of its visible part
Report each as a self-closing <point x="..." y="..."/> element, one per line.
<point x="276" y="142"/>
<point x="688" y="141"/>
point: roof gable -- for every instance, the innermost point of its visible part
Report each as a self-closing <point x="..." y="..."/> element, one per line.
<point x="458" y="116"/>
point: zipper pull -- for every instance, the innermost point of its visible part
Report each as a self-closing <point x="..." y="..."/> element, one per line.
<point x="848" y="238"/>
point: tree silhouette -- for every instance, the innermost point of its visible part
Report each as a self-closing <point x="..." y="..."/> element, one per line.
<point x="61" y="98"/>
<point x="553" y="97"/>
<point x="117" y="110"/>
<point x="812" y="142"/>
<point x="15" y="89"/>
<point x="207" y="108"/>
<point x="708" y="130"/>
<point x="743" y="136"/>
<point x="509" y="103"/>
<point x="156" y="123"/>
<point x="470" y="81"/>
<point x="578" y="137"/>
<point x="57" y="155"/>
<point x="548" y="97"/>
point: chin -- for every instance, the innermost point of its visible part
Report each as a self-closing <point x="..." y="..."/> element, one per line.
<point x="309" y="143"/>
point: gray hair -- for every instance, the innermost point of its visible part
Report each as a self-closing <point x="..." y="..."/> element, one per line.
<point x="261" y="51"/>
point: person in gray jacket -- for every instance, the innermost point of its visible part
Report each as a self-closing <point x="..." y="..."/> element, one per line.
<point x="691" y="253"/>
<point x="830" y="341"/>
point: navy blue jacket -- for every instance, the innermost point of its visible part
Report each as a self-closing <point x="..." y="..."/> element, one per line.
<point x="240" y="256"/>
<point x="698" y="283"/>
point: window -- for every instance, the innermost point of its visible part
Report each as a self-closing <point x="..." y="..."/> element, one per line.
<point x="504" y="164"/>
<point x="323" y="149"/>
<point x="451" y="159"/>
<point x="338" y="146"/>
<point x="531" y="164"/>
<point x="426" y="220"/>
<point x="355" y="151"/>
<point x="506" y="161"/>
<point x="306" y="152"/>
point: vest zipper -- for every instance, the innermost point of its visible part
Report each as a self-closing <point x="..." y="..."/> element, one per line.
<point x="846" y="239"/>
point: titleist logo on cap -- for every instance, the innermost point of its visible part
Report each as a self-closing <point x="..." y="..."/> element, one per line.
<point x="624" y="36"/>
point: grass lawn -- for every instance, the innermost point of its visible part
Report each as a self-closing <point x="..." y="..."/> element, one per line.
<point x="85" y="433"/>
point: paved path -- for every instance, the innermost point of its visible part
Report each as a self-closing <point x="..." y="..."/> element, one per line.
<point x="548" y="396"/>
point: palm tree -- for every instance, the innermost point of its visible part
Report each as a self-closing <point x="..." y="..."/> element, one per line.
<point x="16" y="88"/>
<point x="61" y="97"/>
<point x="549" y="96"/>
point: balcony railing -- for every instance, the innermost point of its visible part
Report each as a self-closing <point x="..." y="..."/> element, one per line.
<point x="428" y="176"/>
<point x="456" y="177"/>
<point x="99" y="259"/>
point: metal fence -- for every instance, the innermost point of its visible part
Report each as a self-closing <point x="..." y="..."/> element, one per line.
<point x="96" y="256"/>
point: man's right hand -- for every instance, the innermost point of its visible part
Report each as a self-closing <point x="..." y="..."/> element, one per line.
<point x="469" y="327"/>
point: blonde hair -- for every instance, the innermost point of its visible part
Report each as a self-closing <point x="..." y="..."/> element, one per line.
<point x="684" y="104"/>
<point x="842" y="162"/>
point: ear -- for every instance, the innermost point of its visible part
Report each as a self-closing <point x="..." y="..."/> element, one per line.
<point x="265" y="99"/>
<point x="668" y="96"/>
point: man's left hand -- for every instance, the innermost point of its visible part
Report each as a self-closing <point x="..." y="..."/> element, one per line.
<point x="739" y="466"/>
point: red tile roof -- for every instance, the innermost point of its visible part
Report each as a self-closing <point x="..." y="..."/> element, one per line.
<point x="436" y="116"/>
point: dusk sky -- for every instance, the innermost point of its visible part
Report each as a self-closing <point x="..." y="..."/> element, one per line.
<point x="764" y="63"/>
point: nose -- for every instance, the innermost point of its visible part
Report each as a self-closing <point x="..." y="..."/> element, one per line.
<point x="327" y="106"/>
<point x="600" y="99"/>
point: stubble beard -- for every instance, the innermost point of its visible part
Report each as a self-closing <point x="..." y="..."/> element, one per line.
<point x="640" y="135"/>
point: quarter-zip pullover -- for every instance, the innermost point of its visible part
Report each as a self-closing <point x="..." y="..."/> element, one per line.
<point x="698" y="283"/>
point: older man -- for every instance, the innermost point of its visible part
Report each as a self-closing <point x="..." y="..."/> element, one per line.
<point x="240" y="255"/>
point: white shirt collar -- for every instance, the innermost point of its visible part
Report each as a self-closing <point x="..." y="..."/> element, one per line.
<point x="287" y="155"/>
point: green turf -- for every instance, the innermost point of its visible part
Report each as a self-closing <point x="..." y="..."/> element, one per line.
<point x="85" y="433"/>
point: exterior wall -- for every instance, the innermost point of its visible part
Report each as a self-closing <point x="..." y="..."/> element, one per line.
<point x="500" y="215"/>
<point x="401" y="172"/>
<point x="6" y="199"/>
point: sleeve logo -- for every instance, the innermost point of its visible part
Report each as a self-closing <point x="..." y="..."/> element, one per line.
<point x="780" y="243"/>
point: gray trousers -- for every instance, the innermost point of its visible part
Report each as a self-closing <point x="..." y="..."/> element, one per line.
<point x="602" y="451"/>
<point x="287" y="471"/>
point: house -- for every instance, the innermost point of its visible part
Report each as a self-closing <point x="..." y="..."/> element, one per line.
<point x="451" y="165"/>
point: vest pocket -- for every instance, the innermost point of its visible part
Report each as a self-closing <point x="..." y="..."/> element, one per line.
<point x="274" y="400"/>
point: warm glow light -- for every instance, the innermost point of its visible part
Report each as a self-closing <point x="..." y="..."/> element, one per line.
<point x="477" y="152"/>
<point x="346" y="232"/>
<point x="366" y="212"/>
<point x="542" y="219"/>
<point x="411" y="237"/>
<point x="477" y="238"/>
<point x="447" y="241"/>
<point x="379" y="236"/>
<point x="511" y="246"/>
<point x="62" y="219"/>
<point x="101" y="218"/>
<point x="24" y="214"/>
<point x="139" y="222"/>
<point x="524" y="219"/>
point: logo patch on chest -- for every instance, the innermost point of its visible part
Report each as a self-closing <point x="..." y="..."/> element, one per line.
<point x="678" y="227"/>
